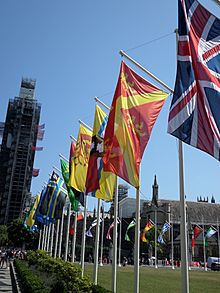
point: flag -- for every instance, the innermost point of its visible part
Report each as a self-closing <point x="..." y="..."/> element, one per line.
<point x="79" y="218"/>
<point x="40" y="134"/>
<point x="149" y="225"/>
<point x="135" y="107"/>
<point x="35" y="172"/>
<point x="160" y="239"/>
<point x="36" y="148"/>
<point x="58" y="192"/>
<point x="29" y="222"/>
<point x="108" y="236"/>
<point x="52" y="200"/>
<point x="165" y="228"/>
<point x="80" y="160"/>
<point x="211" y="231"/>
<point x="131" y="225"/>
<point x="196" y="232"/>
<point x="194" y="111"/>
<point x="99" y="183"/>
<point x="93" y="224"/>
<point x="66" y="176"/>
<point x="71" y="156"/>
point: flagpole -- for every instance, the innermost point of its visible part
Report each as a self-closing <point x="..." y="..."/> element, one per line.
<point x="119" y="240"/>
<point x="218" y="241"/>
<point x="74" y="237"/>
<point x="83" y="237"/>
<point x="101" y="103"/>
<point x="43" y="237"/>
<point x="155" y="237"/>
<point x="146" y="71"/>
<point x="114" y="257"/>
<point x="102" y="239"/>
<point x="48" y="237"/>
<point x="39" y="240"/>
<point x="73" y="138"/>
<point x="183" y="233"/>
<point x="204" y="252"/>
<point x="96" y="254"/>
<point x="172" y="252"/>
<point x="67" y="232"/>
<point x="61" y="234"/>
<point x="137" y="243"/>
<point x="51" y="240"/>
<point x="56" y="240"/>
<point x="84" y="124"/>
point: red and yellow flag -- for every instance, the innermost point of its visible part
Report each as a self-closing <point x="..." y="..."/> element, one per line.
<point x="148" y="226"/>
<point x="135" y="107"/>
<point x="80" y="160"/>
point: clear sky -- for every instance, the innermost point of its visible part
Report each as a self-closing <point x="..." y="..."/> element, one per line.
<point x="72" y="49"/>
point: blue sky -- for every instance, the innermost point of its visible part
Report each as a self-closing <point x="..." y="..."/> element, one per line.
<point x="72" y="49"/>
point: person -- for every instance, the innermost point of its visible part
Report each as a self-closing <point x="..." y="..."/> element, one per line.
<point x="4" y="259"/>
<point x="125" y="261"/>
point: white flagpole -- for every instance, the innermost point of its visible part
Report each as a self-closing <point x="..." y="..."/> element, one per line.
<point x="119" y="245"/>
<point x="137" y="243"/>
<point x="218" y="240"/>
<point x="146" y="71"/>
<point x="83" y="237"/>
<point x="51" y="240"/>
<point x="61" y="234"/>
<point x="48" y="238"/>
<point x="172" y="251"/>
<point x="183" y="233"/>
<point x="102" y="239"/>
<point x="39" y="240"/>
<point x="204" y="252"/>
<point x="155" y="236"/>
<point x="67" y="232"/>
<point x="56" y="240"/>
<point x="96" y="254"/>
<point x="114" y="257"/>
<point x="43" y="237"/>
<point x="74" y="237"/>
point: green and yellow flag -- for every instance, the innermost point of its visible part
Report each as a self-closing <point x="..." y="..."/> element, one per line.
<point x="81" y="159"/>
<point x="66" y="177"/>
<point x="30" y="219"/>
<point x="135" y="108"/>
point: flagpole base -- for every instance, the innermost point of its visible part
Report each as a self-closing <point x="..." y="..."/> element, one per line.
<point x="101" y="264"/>
<point x="173" y="268"/>
<point x="119" y="265"/>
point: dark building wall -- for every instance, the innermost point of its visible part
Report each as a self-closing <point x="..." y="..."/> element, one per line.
<point x="17" y="154"/>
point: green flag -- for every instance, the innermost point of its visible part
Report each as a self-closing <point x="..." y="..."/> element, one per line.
<point x="66" y="176"/>
<point x="131" y="225"/>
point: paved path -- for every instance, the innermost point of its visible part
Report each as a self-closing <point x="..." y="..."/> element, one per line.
<point x="5" y="281"/>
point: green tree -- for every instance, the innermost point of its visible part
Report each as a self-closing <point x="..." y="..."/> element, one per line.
<point x="3" y="235"/>
<point x="20" y="236"/>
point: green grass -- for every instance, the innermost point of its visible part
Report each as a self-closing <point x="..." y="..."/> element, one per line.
<point x="157" y="280"/>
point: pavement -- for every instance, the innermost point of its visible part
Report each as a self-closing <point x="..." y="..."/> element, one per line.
<point x="5" y="281"/>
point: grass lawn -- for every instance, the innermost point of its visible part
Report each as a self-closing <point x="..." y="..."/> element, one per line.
<point x="163" y="280"/>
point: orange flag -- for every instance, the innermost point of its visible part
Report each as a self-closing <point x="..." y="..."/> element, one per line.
<point x="135" y="107"/>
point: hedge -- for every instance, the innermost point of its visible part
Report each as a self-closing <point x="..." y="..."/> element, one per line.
<point x="29" y="282"/>
<point x="67" y="275"/>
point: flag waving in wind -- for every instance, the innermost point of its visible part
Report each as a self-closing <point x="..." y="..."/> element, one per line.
<point x="165" y="228"/>
<point x="149" y="225"/>
<point x="99" y="183"/>
<point x="81" y="159"/>
<point x="135" y="107"/>
<point x="93" y="224"/>
<point x="131" y="225"/>
<point x="194" y="112"/>
<point x="211" y="231"/>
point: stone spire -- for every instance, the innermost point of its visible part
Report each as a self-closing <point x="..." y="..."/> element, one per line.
<point x="155" y="192"/>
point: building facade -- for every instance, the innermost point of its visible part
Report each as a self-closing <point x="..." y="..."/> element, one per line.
<point x="18" y="151"/>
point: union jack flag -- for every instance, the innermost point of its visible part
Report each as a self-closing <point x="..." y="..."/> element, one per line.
<point x="194" y="115"/>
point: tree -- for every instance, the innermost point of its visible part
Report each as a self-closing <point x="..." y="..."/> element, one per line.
<point x="3" y="235"/>
<point x="20" y="236"/>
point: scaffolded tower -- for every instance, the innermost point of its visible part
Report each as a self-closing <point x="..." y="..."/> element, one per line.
<point x="18" y="151"/>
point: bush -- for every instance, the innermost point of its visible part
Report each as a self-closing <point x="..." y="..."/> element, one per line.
<point x="67" y="275"/>
<point x="29" y="282"/>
